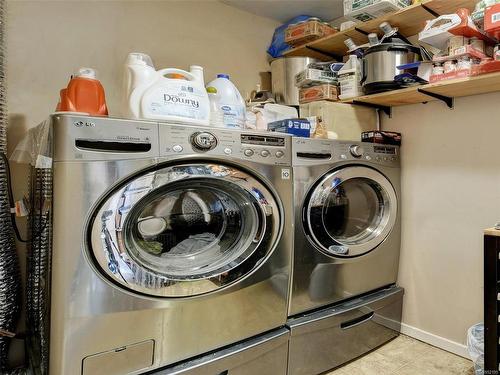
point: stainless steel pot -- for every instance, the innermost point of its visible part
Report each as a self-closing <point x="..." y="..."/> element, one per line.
<point x="380" y="65"/>
<point x="283" y="71"/>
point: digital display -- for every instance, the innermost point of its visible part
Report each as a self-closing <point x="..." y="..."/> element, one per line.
<point x="251" y="139"/>
<point x="385" y="150"/>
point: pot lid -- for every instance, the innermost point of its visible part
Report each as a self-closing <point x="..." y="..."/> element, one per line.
<point x="392" y="46"/>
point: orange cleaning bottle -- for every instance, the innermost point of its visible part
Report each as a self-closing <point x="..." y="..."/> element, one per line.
<point x="83" y="94"/>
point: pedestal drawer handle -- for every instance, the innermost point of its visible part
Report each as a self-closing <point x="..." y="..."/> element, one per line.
<point x="357" y="321"/>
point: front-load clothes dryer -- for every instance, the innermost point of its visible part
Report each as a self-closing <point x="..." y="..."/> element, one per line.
<point x="163" y="242"/>
<point x="347" y="226"/>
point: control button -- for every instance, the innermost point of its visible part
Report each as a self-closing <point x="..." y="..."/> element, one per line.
<point x="203" y="141"/>
<point x="228" y="151"/>
<point x="357" y="151"/>
<point x="248" y="152"/>
<point x="264" y="153"/>
<point x="343" y="156"/>
<point x="177" y="148"/>
<point x="385" y="158"/>
<point x="368" y="157"/>
<point x="393" y="158"/>
<point x="279" y="154"/>
<point x="378" y="158"/>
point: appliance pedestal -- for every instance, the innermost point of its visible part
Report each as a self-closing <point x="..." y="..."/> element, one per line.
<point x="325" y="339"/>
<point x="263" y="355"/>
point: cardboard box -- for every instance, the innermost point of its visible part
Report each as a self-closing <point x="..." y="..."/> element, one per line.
<point x="366" y="10"/>
<point x="304" y="32"/>
<point x="298" y="127"/>
<point x="377" y="136"/>
<point x="320" y="92"/>
<point x="309" y="76"/>
<point x="346" y="121"/>
<point x="492" y="21"/>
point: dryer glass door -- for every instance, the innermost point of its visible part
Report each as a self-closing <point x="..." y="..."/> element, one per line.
<point x="185" y="230"/>
<point x="350" y="211"/>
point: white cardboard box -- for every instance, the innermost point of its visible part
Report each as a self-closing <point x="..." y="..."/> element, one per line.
<point x="347" y="121"/>
<point x="366" y="10"/>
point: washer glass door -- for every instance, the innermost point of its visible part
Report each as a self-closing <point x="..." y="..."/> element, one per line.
<point x="350" y="211"/>
<point x="185" y="230"/>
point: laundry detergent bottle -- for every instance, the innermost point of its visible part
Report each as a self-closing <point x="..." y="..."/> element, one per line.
<point x="167" y="94"/>
<point x="83" y="94"/>
<point x="230" y="101"/>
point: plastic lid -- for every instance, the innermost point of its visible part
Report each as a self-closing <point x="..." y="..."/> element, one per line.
<point x="139" y="59"/>
<point x="86" y="73"/>
<point x="223" y="76"/>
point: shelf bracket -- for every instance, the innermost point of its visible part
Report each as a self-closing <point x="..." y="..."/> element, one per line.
<point x="449" y="101"/>
<point x="386" y="109"/>
<point x="361" y="31"/>
<point x="429" y="10"/>
<point x="332" y="55"/>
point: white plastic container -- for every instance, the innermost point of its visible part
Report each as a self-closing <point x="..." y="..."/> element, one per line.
<point x="216" y="113"/>
<point x="167" y="94"/>
<point x="231" y="103"/>
<point x="349" y="77"/>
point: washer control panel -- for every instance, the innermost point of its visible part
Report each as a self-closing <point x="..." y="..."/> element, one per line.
<point x="318" y="151"/>
<point x="274" y="148"/>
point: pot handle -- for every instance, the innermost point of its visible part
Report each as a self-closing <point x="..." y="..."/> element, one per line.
<point x="363" y="72"/>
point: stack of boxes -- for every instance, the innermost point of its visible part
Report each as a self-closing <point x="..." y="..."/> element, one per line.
<point x="318" y="82"/>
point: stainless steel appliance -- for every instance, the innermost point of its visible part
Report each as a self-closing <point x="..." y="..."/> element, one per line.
<point x="380" y="65"/>
<point x="347" y="221"/>
<point x="283" y="72"/>
<point x="167" y="242"/>
<point x="344" y="301"/>
<point x="325" y="339"/>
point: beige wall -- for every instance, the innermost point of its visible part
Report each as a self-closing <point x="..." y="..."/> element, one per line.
<point x="451" y="192"/>
<point x="48" y="40"/>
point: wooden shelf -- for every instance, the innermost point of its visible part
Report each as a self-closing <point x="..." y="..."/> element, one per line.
<point x="410" y="21"/>
<point x="455" y="88"/>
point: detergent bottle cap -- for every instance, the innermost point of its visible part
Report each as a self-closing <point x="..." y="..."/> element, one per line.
<point x="86" y="73"/>
<point x="223" y="76"/>
<point x="139" y="58"/>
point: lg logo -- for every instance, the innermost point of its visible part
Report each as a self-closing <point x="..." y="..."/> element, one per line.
<point x="87" y="124"/>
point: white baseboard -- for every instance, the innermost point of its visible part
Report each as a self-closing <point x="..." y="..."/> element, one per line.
<point x="434" y="340"/>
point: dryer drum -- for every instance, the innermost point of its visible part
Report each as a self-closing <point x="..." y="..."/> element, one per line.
<point x="350" y="211"/>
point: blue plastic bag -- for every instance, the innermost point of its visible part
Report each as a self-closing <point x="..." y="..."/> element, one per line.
<point x="278" y="45"/>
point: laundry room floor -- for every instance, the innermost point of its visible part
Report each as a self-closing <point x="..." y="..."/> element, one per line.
<point x="407" y="356"/>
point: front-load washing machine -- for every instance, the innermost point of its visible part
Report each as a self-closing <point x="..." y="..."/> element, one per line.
<point x="347" y="227"/>
<point x="164" y="242"/>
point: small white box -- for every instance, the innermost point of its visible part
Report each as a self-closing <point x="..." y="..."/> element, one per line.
<point x="309" y="76"/>
<point x="366" y="10"/>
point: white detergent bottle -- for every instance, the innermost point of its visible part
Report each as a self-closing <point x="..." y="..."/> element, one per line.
<point x="139" y="68"/>
<point x="231" y="102"/>
<point x="167" y="94"/>
<point x="349" y="77"/>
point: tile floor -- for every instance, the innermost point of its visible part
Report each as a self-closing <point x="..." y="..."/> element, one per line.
<point x="407" y="356"/>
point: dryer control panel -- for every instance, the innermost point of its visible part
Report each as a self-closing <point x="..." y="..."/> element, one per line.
<point x="264" y="148"/>
<point x="321" y="151"/>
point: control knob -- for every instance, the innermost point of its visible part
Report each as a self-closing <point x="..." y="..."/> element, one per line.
<point x="357" y="151"/>
<point x="203" y="141"/>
